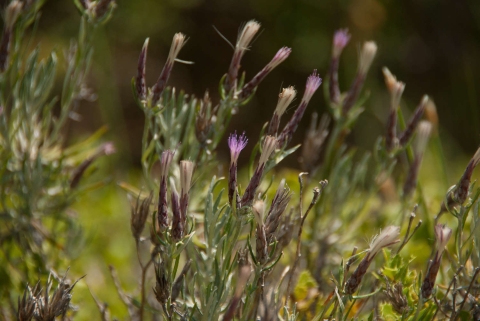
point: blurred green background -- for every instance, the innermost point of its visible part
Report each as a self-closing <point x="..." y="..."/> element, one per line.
<point x="431" y="45"/>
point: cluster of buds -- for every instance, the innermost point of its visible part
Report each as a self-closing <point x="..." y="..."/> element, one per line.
<point x="396" y="89"/>
<point x="313" y="82"/>
<point x="424" y="130"/>
<point x="340" y="40"/>
<point x="152" y="97"/>
<point x="387" y="237"/>
<point x="12" y="12"/>
<point x="367" y="55"/>
<point x="267" y="225"/>
<point x="42" y="305"/>
<point x="442" y="235"/>
<point x="244" y="39"/>
<point x="458" y="195"/>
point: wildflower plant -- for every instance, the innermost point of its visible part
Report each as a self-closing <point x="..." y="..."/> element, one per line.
<point x="240" y="256"/>
<point x="245" y="245"/>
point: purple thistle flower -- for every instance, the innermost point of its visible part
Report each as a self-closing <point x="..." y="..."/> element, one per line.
<point x="236" y="144"/>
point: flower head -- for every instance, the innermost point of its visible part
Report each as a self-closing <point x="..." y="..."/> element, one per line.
<point x="313" y="82"/>
<point x="186" y="173"/>
<point x="442" y="235"/>
<point x="246" y="35"/>
<point x="279" y="57"/>
<point x="285" y="99"/>
<point x="269" y="146"/>
<point x="387" y="237"/>
<point x="340" y="40"/>
<point x="236" y="144"/>
<point x="367" y="54"/>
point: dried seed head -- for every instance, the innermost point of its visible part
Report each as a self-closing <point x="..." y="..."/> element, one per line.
<point x="139" y="215"/>
<point x="285" y="99"/>
<point x="269" y="146"/>
<point x="140" y="81"/>
<point x="396" y="298"/>
<point x="340" y="40"/>
<point x="387" y="237"/>
<point x="186" y="173"/>
<point x="442" y="235"/>
<point x="236" y="144"/>
<point x="367" y="55"/>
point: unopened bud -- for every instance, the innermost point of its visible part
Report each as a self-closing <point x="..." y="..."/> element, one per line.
<point x="244" y="39"/>
<point x="248" y="89"/>
<point x="178" y="42"/>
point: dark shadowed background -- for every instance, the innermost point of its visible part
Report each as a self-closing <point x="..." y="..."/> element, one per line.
<point x="431" y="45"/>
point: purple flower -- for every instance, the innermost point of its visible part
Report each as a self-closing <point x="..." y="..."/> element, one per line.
<point x="236" y="144"/>
<point x="313" y="82"/>
<point x="340" y="40"/>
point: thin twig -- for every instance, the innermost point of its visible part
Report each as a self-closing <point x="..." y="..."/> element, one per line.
<point x="316" y="195"/>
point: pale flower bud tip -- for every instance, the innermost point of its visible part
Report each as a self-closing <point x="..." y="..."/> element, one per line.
<point x="269" y="146"/>
<point x="247" y="34"/>
<point x="387" y="237"/>
<point x="178" y="42"/>
<point x="340" y="40"/>
<point x="367" y="55"/>
<point x="442" y="235"/>
<point x="285" y="98"/>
